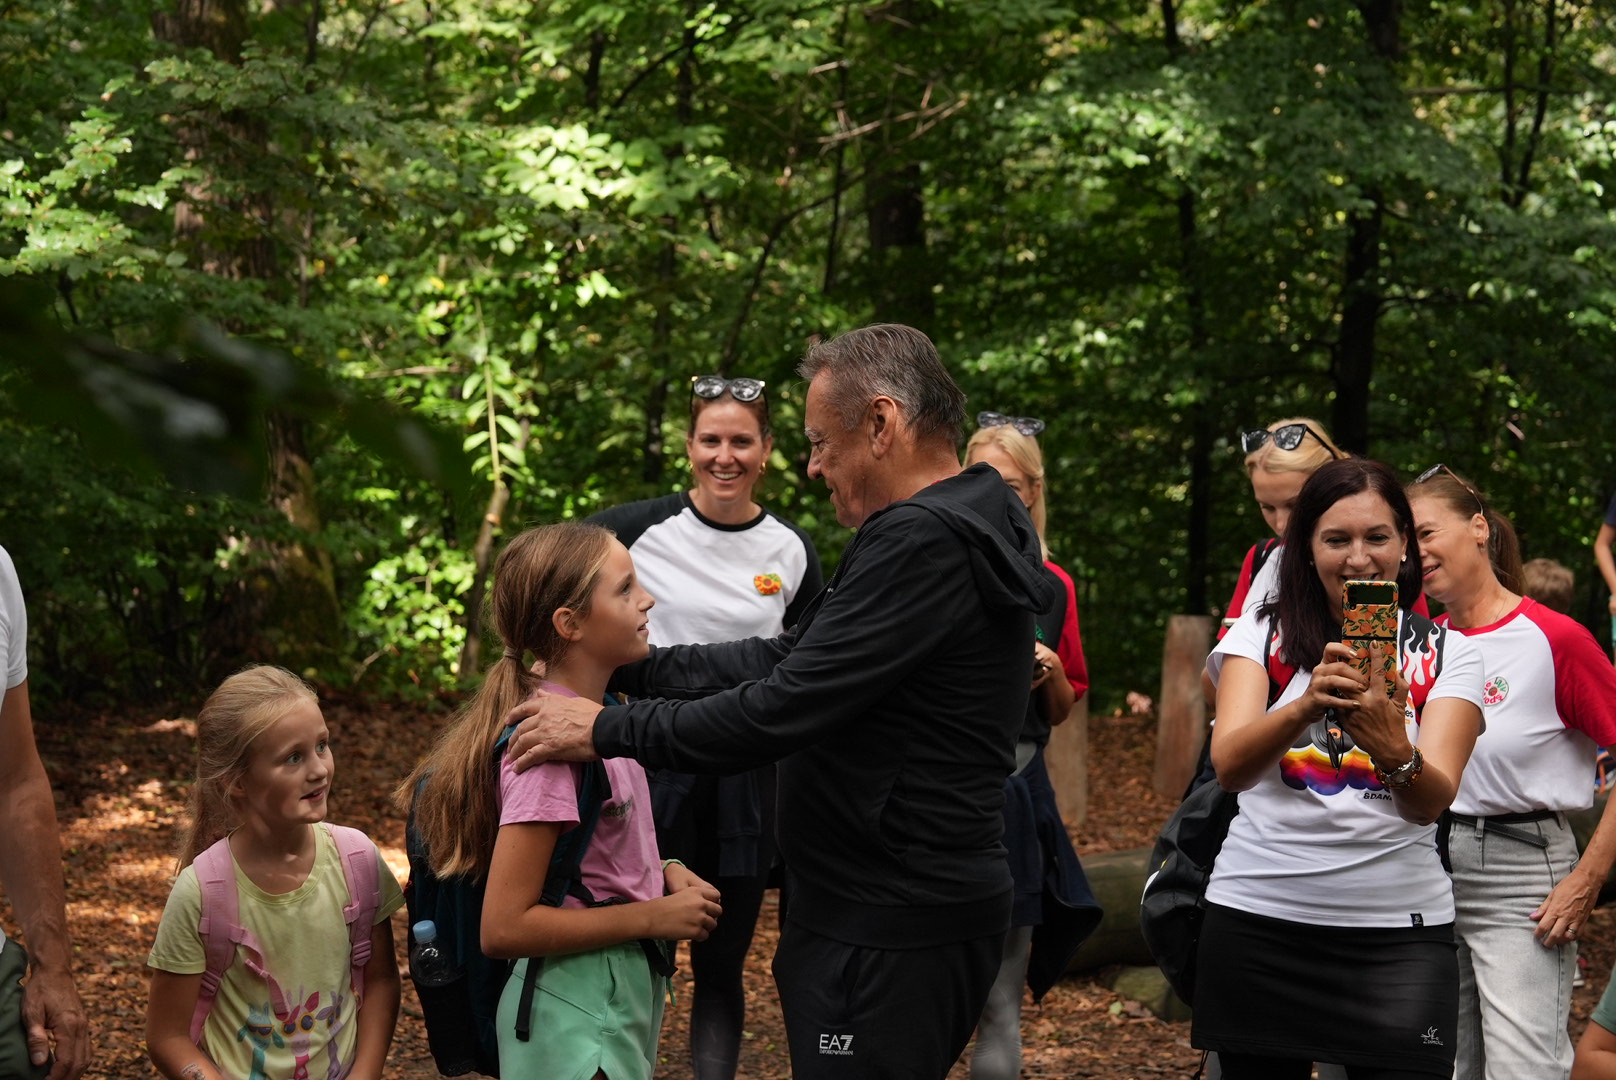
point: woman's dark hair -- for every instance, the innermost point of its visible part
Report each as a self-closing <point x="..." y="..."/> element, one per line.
<point x="1466" y="500"/>
<point x="758" y="407"/>
<point x="1304" y="610"/>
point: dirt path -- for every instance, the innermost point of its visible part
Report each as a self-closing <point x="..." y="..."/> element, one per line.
<point x="121" y="786"/>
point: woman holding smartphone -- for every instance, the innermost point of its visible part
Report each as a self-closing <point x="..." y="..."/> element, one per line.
<point x="1329" y="924"/>
<point x="1549" y="695"/>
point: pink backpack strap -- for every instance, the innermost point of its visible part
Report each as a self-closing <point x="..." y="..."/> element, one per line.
<point x="221" y="932"/>
<point x="360" y="869"/>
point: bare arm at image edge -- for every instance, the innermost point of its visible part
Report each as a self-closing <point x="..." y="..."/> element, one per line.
<point x="1596" y="1054"/>
<point x="31" y="871"/>
<point x="1607" y="563"/>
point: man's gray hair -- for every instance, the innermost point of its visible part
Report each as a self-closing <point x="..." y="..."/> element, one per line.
<point x="889" y="360"/>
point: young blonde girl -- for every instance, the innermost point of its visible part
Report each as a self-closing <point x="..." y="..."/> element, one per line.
<point x="288" y="1004"/>
<point x="568" y="595"/>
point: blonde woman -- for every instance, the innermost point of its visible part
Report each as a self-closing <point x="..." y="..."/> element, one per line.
<point x="1279" y="459"/>
<point x="1054" y="910"/>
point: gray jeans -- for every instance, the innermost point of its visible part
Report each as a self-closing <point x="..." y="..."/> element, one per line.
<point x="1514" y="994"/>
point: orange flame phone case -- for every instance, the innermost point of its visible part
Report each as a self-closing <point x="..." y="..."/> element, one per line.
<point x="1369" y="625"/>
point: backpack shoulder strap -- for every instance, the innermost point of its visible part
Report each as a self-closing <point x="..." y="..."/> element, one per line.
<point x="1260" y="554"/>
<point x="1279" y="672"/>
<point x="221" y="931"/>
<point x="360" y="871"/>
<point x="217" y="926"/>
<point x="565" y="875"/>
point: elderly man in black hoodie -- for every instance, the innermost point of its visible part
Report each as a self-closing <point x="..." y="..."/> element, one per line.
<point x="892" y="707"/>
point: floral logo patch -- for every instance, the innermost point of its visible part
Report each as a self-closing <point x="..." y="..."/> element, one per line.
<point x="1494" y="690"/>
<point x="768" y="584"/>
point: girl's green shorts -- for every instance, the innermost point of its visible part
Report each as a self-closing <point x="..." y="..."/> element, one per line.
<point x="598" y="1011"/>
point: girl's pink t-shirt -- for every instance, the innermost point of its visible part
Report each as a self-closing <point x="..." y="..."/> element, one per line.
<point x="622" y="859"/>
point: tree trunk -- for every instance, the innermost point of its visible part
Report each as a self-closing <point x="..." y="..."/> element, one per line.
<point x="483" y="556"/>
<point x="902" y="275"/>
<point x="1361" y="295"/>
<point x="1360" y="318"/>
<point x="654" y="461"/>
<point x="300" y="619"/>
<point x="1203" y="418"/>
<point x="1202" y="415"/>
<point x="288" y="610"/>
<point x="1181" y="708"/>
<point x="1067" y="758"/>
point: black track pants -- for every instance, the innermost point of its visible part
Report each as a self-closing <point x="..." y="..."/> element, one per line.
<point x="853" y="1012"/>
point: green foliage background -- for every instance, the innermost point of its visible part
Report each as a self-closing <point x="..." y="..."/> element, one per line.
<point x="529" y="223"/>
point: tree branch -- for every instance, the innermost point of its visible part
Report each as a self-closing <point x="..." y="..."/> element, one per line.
<point x="1545" y="67"/>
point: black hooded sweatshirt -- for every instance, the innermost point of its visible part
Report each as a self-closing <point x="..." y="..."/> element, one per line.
<point x="893" y="707"/>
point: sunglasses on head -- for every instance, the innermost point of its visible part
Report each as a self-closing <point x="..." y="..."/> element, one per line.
<point x="1027" y="425"/>
<point x="1286" y="437"/>
<point x="1481" y="507"/>
<point x="712" y="386"/>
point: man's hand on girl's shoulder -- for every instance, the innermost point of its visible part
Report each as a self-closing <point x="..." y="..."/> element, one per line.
<point x="551" y="727"/>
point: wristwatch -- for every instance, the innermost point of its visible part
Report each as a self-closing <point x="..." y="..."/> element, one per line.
<point x="1403" y="775"/>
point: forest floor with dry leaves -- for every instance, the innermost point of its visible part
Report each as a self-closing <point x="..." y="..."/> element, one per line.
<point x="121" y="785"/>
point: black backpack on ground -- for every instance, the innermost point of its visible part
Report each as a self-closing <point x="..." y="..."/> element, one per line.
<point x="460" y="1017"/>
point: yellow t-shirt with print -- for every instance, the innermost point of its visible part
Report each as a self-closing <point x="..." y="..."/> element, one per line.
<point x="306" y="949"/>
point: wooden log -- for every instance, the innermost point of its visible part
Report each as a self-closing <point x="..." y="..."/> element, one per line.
<point x="1067" y="758"/>
<point x="1181" y="708"/>
<point x="1117" y="879"/>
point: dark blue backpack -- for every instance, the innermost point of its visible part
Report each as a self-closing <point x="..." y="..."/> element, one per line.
<point x="460" y="1017"/>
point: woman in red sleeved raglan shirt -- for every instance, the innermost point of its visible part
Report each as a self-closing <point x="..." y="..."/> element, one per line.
<point x="1549" y="703"/>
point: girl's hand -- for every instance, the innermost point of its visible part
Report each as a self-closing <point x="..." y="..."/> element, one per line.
<point x="1044" y="663"/>
<point x="690" y="912"/>
<point x="1378" y="724"/>
<point x="676" y="876"/>
<point x="1335" y="684"/>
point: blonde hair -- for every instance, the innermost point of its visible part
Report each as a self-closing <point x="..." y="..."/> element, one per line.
<point x="244" y="706"/>
<point x="1309" y="454"/>
<point x="540" y="570"/>
<point x="1023" y="450"/>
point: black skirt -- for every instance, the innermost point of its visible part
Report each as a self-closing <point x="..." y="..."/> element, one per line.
<point x="1371" y="996"/>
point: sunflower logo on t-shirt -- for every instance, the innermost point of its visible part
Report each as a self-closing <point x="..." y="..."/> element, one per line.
<point x="768" y="584"/>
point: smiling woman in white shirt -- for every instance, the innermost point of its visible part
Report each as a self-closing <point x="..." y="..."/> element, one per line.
<point x="721" y="568"/>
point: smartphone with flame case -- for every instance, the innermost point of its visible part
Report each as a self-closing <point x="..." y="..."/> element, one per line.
<point x="1369" y="626"/>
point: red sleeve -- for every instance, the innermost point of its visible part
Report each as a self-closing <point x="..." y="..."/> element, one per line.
<point x="1237" y="602"/>
<point x="1070" y="646"/>
<point x="1420" y="606"/>
<point x="1584" y="681"/>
